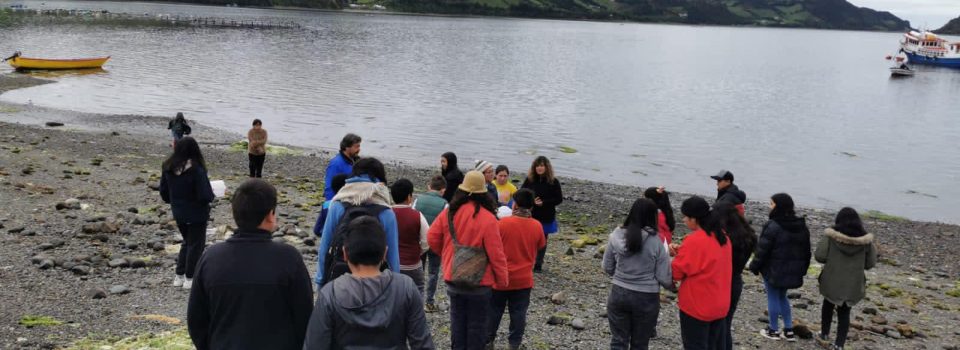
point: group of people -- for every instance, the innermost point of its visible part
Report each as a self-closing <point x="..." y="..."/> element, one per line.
<point x="383" y="250"/>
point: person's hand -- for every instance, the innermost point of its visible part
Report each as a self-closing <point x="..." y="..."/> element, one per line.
<point x="674" y="249"/>
<point x="538" y="202"/>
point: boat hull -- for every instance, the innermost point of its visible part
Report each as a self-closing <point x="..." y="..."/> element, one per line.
<point x="933" y="61"/>
<point x="26" y="63"/>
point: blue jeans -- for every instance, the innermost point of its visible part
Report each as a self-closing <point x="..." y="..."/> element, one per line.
<point x="778" y="306"/>
<point x="517" y="301"/>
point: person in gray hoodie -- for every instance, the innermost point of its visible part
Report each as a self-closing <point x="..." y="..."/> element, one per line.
<point x="368" y="308"/>
<point x="639" y="265"/>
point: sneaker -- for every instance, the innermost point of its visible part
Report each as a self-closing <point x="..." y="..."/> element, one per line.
<point x="789" y="336"/>
<point x="178" y="281"/>
<point x="770" y="334"/>
<point x="187" y="283"/>
<point x="430" y="308"/>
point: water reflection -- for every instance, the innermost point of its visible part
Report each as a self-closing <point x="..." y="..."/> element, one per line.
<point x="63" y="73"/>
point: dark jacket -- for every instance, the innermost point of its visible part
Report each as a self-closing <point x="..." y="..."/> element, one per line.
<point x="844" y="259"/>
<point x="732" y="194"/>
<point x="454" y="178"/>
<point x="550" y="193"/>
<point x="250" y="293"/>
<point x="384" y="312"/>
<point x="741" y="254"/>
<point x="783" y="252"/>
<point x="189" y="194"/>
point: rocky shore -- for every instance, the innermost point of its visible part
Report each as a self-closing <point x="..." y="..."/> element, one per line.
<point x="87" y="246"/>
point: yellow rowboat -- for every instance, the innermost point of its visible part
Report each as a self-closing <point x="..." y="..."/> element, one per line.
<point x="26" y="63"/>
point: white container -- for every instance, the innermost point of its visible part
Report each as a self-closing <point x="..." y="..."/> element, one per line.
<point x="219" y="188"/>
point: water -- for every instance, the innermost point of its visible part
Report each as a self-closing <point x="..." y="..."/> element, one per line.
<point x="810" y="112"/>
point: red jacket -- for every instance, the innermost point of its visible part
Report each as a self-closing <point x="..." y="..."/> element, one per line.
<point x="705" y="272"/>
<point x="663" y="229"/>
<point x="481" y="230"/>
<point x="522" y="238"/>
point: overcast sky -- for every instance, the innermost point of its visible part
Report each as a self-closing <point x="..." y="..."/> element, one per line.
<point x="932" y="14"/>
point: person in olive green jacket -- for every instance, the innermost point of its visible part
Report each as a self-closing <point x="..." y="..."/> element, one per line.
<point x="846" y="250"/>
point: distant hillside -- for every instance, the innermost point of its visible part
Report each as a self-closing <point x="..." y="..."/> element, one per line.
<point x="952" y="27"/>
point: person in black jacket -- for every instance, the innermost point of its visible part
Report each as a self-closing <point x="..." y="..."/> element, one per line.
<point x="728" y="192"/>
<point x="251" y="292"/>
<point x="451" y="173"/>
<point x="541" y="181"/>
<point x="725" y="217"/>
<point x="184" y="184"/>
<point x="782" y="256"/>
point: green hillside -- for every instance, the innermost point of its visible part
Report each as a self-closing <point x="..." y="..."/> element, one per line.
<point x="952" y="27"/>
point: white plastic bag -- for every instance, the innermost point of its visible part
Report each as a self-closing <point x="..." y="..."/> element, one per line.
<point x="219" y="188"/>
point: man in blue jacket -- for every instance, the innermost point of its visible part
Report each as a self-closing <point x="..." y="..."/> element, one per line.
<point x="342" y="163"/>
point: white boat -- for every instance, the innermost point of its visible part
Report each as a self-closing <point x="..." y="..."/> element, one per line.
<point x="928" y="48"/>
<point x="901" y="72"/>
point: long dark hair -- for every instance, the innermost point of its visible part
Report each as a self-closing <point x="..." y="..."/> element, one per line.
<point x="784" y="206"/>
<point x="725" y="218"/>
<point x="662" y="200"/>
<point x="371" y="167"/>
<point x="547" y="174"/>
<point x="184" y="150"/>
<point x="451" y="163"/>
<point x="698" y="209"/>
<point x="643" y="214"/>
<point x="483" y="200"/>
<point x="848" y="222"/>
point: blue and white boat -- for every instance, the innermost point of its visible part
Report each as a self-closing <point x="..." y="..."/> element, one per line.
<point x="928" y="48"/>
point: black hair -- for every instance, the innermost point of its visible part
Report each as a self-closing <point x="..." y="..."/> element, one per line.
<point x="662" y="200"/>
<point x="451" y="162"/>
<point x="338" y="182"/>
<point x="524" y="198"/>
<point x="252" y="202"/>
<point x="400" y="190"/>
<point x="437" y="183"/>
<point x="365" y="242"/>
<point x="257" y="122"/>
<point x="642" y="214"/>
<point x="726" y="218"/>
<point x="349" y="140"/>
<point x="783" y="206"/>
<point x="848" y="222"/>
<point x="483" y="200"/>
<point x="371" y="167"/>
<point x="501" y="168"/>
<point x="185" y="149"/>
<point x="698" y="209"/>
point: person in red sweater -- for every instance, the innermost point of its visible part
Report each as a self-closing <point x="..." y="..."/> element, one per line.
<point x="522" y="238"/>
<point x="411" y="231"/>
<point x="475" y="225"/>
<point x="704" y="267"/>
<point x="666" y="223"/>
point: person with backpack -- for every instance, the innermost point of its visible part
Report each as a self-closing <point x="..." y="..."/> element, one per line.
<point x="666" y="222"/>
<point x="467" y="237"/>
<point x="178" y="128"/>
<point x="249" y="291"/>
<point x="522" y="238"/>
<point x="744" y="240"/>
<point x="639" y="265"/>
<point x="846" y="250"/>
<point x="368" y="308"/>
<point x="451" y="173"/>
<point x="782" y="257"/>
<point x="411" y="231"/>
<point x="430" y="204"/>
<point x="364" y="194"/>
<point x="185" y="185"/>
<point x="541" y="180"/>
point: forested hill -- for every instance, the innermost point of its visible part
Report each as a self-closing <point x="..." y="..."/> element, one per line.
<point x="952" y="27"/>
<point x="827" y="14"/>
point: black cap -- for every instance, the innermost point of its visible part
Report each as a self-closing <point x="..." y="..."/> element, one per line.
<point x="723" y="175"/>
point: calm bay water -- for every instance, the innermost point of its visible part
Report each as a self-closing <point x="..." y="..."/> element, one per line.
<point x="808" y="112"/>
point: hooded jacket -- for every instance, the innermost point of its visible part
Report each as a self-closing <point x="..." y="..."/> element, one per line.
<point x="844" y="259"/>
<point x="783" y="252"/>
<point x="341" y="164"/>
<point x="189" y="193"/>
<point x="360" y="190"/>
<point x="383" y="312"/>
<point x="732" y="194"/>
<point x="643" y="271"/>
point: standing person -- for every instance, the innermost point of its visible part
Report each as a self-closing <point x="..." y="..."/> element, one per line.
<point x="338" y="182"/>
<point x="782" y="256"/>
<point x="368" y="308"/>
<point x="185" y="185"/>
<point x="430" y="204"/>
<point x="342" y="163"/>
<point x="486" y="168"/>
<point x="846" y="250"/>
<point x="257" y="148"/>
<point x="451" y="173"/>
<point x="411" y="231"/>
<point x="639" y="267"/>
<point x="250" y="292"/>
<point x="469" y="224"/>
<point x="728" y="192"/>
<point x="178" y="128"/>
<point x="549" y="195"/>
<point x="666" y="222"/>
<point x="744" y="240"/>
<point x="703" y="265"/>
<point x="505" y="189"/>
<point x="522" y="238"/>
<point x="365" y="194"/>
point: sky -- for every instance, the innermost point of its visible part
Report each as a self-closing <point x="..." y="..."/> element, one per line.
<point x="923" y="14"/>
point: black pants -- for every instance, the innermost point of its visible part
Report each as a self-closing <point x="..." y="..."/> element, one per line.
<point x="701" y="335"/>
<point x="256" y="164"/>
<point x="538" y="265"/>
<point x="431" y="262"/>
<point x="517" y="301"/>
<point x="843" y="321"/>
<point x="194" y="240"/>
<point x="417" y="276"/>
<point x="736" y="288"/>
<point x="468" y="319"/>
<point x="633" y="318"/>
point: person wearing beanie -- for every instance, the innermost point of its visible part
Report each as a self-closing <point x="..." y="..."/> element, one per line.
<point x="486" y="168"/>
<point x="703" y="265"/>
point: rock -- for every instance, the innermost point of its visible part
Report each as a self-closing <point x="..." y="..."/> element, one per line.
<point x="96" y="294"/>
<point x="869" y="311"/>
<point x="856" y="325"/>
<point x="69" y="204"/>
<point x="138" y="263"/>
<point x="133" y="210"/>
<point x="577" y="243"/>
<point x="290" y="229"/>
<point x="101" y="238"/>
<point x="793" y="295"/>
<point x="558" y="298"/>
<point x="46" y="264"/>
<point x="878" y="320"/>
<point x="802" y="306"/>
<point x="309" y="241"/>
<point x="118" y="263"/>
<point x="51" y="245"/>
<point x="81" y="270"/>
<point x="578" y="324"/>
<point x="101" y="227"/>
<point x="53" y="124"/>
<point x="570" y="251"/>
<point x="905" y="330"/>
<point x="16" y="229"/>
<point x="131" y="245"/>
<point x="893" y="334"/>
<point x="802" y="330"/>
<point x="36" y="259"/>
<point x="154" y="186"/>
<point x="276" y="234"/>
<point x="558" y="319"/>
<point x="119" y="289"/>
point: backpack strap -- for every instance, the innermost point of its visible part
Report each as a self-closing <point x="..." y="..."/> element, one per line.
<point x="453" y="232"/>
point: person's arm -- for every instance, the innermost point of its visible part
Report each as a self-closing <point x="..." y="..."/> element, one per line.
<point x="424" y="227"/>
<point x="328" y="176"/>
<point x="687" y="262"/>
<point x="764" y="245"/>
<point x="300" y="295"/>
<point x="871" y="256"/>
<point x="554" y="196"/>
<point x="823" y="250"/>
<point x="320" y="328"/>
<point x="661" y="262"/>
<point x="389" y="220"/>
<point x="198" y="310"/>
<point x="435" y="233"/>
<point x="609" y="263"/>
<point x="333" y="216"/>
<point x="498" y="259"/>
<point x="202" y="186"/>
<point x="321" y="220"/>
<point x="164" y="187"/>
<point x="418" y="332"/>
